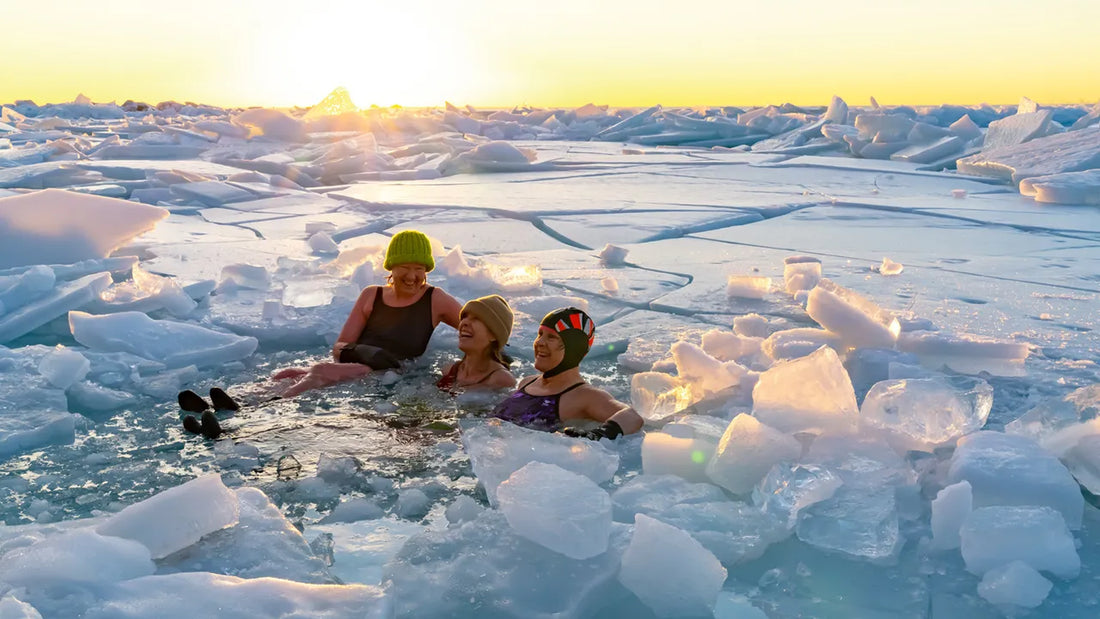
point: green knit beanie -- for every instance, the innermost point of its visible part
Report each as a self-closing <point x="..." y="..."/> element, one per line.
<point x="409" y="246"/>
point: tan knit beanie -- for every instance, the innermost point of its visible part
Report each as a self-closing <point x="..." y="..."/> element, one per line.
<point x="494" y="312"/>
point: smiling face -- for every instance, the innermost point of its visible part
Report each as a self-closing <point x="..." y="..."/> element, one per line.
<point x="473" y="335"/>
<point x="549" y="349"/>
<point x="408" y="278"/>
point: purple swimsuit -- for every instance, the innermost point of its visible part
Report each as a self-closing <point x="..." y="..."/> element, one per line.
<point x="538" y="412"/>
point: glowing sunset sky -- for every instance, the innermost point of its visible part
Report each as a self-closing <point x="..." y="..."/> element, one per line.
<point x="559" y="53"/>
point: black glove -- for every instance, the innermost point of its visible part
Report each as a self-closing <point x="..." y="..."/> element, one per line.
<point x="372" y="356"/>
<point x="609" y="430"/>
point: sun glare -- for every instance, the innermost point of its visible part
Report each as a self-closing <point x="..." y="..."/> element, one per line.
<point x="382" y="54"/>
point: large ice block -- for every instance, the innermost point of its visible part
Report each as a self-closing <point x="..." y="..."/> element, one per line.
<point x="747" y="451"/>
<point x="1014" y="584"/>
<point x="498" y="448"/>
<point x="1013" y="470"/>
<point x="177" y="517"/>
<point x="175" y="344"/>
<point x="809" y="394"/>
<point x="483" y="564"/>
<point x="950" y="509"/>
<point x="858" y="321"/>
<point x="79" y="556"/>
<point x="1036" y="535"/>
<point x="922" y="414"/>
<point x="679" y="450"/>
<point x="671" y="572"/>
<point x="790" y="488"/>
<point x="563" y="511"/>
<point x="55" y="226"/>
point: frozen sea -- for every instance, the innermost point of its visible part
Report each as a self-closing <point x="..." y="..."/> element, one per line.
<point x="864" y="341"/>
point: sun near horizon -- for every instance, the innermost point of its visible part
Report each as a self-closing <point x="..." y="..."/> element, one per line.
<point x="492" y="53"/>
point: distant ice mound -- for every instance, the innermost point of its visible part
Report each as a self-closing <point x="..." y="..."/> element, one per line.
<point x="54" y="226"/>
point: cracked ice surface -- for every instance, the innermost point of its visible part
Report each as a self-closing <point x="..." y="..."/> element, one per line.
<point x="261" y="246"/>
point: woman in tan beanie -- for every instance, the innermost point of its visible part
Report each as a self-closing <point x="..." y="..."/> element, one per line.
<point x="484" y="328"/>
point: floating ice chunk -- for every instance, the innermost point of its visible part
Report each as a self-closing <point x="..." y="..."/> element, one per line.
<point x="964" y="353"/>
<point x="958" y="193"/>
<point x="610" y="285"/>
<point x="1083" y="461"/>
<point x="263" y="543"/>
<point x="669" y="571"/>
<point x="12" y="607"/>
<point x="859" y="322"/>
<point x="862" y="523"/>
<point x="748" y="286"/>
<point x="498" y="448"/>
<point x="463" y="509"/>
<point x="922" y="414"/>
<point x="746" y="453"/>
<point x="727" y="346"/>
<point x="1067" y="188"/>
<point x="203" y="594"/>
<point x="800" y="342"/>
<point x="1014" y="584"/>
<point x="560" y="510"/>
<point x="412" y="503"/>
<point x="654" y="494"/>
<point x="657" y="396"/>
<point x="889" y="267"/>
<point x="65" y="297"/>
<point x="1054" y="414"/>
<point x="176" y="518"/>
<point x="790" y="488"/>
<point x="1073" y="151"/>
<point x="809" y="394"/>
<point x="1036" y="535"/>
<point x="701" y="370"/>
<point x="861" y="518"/>
<point x="735" y="532"/>
<point x="1013" y="470"/>
<point x="247" y="276"/>
<point x="1016" y="129"/>
<point x="80" y="556"/>
<point x="485" y="565"/>
<point x="950" y="509"/>
<point x="801" y="273"/>
<point x="613" y="255"/>
<point x="63" y="366"/>
<point x="677" y="451"/>
<point x="175" y="344"/>
<point x="147" y="292"/>
<point x="751" y="325"/>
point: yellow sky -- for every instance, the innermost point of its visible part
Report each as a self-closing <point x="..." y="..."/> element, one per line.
<point x="552" y="53"/>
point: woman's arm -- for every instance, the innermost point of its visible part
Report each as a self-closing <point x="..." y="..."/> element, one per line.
<point x="357" y="320"/>
<point x="598" y="405"/>
<point x="445" y="308"/>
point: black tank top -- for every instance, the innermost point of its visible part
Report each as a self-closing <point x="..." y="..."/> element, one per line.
<point x="402" y="331"/>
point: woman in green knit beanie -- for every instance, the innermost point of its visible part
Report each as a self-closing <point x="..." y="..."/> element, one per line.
<point x="388" y="324"/>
